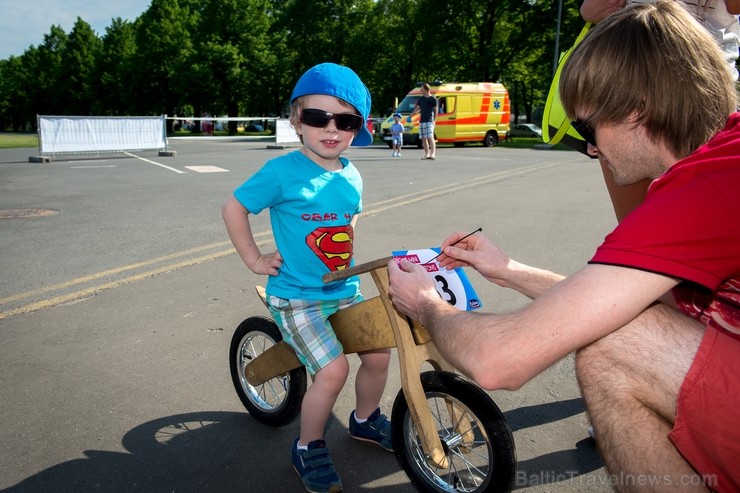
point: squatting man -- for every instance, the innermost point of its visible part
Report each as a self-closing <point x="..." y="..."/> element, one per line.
<point x="655" y="315"/>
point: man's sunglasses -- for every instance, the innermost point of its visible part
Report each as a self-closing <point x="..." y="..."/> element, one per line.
<point x="348" y="122"/>
<point x="584" y="130"/>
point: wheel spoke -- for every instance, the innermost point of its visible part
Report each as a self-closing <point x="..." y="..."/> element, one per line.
<point x="466" y="420"/>
<point x="276" y="401"/>
<point x="270" y="394"/>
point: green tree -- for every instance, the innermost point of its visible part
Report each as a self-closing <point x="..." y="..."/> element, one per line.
<point x="160" y="65"/>
<point x="47" y="65"/>
<point x="40" y="77"/>
<point x="393" y="51"/>
<point x="277" y="77"/>
<point x="232" y="45"/>
<point x="529" y="76"/>
<point x="77" y="78"/>
<point x="14" y="100"/>
<point x="115" y="92"/>
<point x="273" y="79"/>
<point x="319" y="31"/>
<point x="242" y="57"/>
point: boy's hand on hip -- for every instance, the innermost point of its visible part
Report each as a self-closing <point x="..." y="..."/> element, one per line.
<point x="268" y="264"/>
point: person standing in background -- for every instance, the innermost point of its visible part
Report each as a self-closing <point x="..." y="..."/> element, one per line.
<point x="426" y="106"/>
<point x="397" y="134"/>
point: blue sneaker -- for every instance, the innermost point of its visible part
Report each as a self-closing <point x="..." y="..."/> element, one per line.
<point x="377" y="429"/>
<point x="316" y="468"/>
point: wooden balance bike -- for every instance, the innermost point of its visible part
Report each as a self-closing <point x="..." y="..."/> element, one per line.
<point x="447" y="433"/>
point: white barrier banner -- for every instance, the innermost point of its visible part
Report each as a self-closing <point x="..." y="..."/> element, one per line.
<point x="285" y="133"/>
<point x="78" y="134"/>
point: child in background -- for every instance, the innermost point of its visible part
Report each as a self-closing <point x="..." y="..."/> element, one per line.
<point x="314" y="197"/>
<point x="397" y="134"/>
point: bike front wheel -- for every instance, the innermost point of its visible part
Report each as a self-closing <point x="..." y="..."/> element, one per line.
<point x="277" y="401"/>
<point x="475" y="437"/>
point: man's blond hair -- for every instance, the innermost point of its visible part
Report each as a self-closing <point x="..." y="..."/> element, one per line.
<point x="657" y="63"/>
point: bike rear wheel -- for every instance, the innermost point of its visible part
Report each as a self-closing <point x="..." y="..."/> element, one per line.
<point x="277" y="401"/>
<point x="475" y="436"/>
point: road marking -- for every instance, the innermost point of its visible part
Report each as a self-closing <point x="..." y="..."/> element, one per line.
<point x="371" y="209"/>
<point x="107" y="273"/>
<point x="154" y="162"/>
<point x="77" y="295"/>
<point x="89" y="167"/>
<point x="207" y="169"/>
<point x="450" y="187"/>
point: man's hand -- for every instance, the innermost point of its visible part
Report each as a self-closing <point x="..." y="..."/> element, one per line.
<point x="411" y="288"/>
<point x="475" y="251"/>
<point x="478" y="252"/>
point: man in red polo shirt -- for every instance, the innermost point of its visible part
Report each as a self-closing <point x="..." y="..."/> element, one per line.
<point x="655" y="315"/>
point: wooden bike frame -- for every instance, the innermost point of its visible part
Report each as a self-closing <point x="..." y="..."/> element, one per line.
<point x="374" y="324"/>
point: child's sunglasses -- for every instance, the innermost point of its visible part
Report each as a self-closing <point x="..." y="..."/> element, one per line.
<point x="348" y="122"/>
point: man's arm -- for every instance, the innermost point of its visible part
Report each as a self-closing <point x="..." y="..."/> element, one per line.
<point x="733" y="6"/>
<point x="506" y="351"/>
<point x="596" y="10"/>
<point x="478" y="252"/>
<point x="416" y="109"/>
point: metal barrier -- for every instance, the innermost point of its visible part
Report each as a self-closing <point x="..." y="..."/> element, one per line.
<point x="285" y="134"/>
<point x="65" y="135"/>
<point x="100" y="134"/>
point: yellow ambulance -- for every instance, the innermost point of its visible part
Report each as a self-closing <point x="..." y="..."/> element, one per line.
<point x="467" y="112"/>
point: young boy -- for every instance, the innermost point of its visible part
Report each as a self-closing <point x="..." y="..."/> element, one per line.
<point x="314" y="196"/>
<point x="397" y="134"/>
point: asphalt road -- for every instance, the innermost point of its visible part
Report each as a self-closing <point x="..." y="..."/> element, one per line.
<point x="119" y="293"/>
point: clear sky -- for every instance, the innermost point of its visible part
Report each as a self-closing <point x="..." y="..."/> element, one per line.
<point x="25" y="22"/>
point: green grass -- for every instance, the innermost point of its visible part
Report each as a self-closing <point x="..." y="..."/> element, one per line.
<point x="11" y="140"/>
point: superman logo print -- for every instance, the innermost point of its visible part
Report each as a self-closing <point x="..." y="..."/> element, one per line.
<point x="333" y="245"/>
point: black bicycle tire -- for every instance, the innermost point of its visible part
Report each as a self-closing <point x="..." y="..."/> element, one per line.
<point x="295" y="385"/>
<point x="482" y="408"/>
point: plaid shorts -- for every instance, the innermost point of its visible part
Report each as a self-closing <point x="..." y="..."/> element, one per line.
<point x="305" y="326"/>
<point x="426" y="130"/>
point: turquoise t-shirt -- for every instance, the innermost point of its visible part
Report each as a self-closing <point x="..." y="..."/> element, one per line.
<point x="311" y="211"/>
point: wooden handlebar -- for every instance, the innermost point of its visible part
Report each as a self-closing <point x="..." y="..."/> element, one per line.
<point x="338" y="275"/>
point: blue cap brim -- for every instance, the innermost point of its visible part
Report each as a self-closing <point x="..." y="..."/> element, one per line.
<point x="363" y="138"/>
<point x="343" y="83"/>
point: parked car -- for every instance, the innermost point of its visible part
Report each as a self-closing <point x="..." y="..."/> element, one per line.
<point x="525" y="130"/>
<point x="254" y="127"/>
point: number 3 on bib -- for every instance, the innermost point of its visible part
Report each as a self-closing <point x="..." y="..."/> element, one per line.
<point x="452" y="285"/>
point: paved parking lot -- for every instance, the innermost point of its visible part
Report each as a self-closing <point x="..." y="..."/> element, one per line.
<point x="120" y="291"/>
